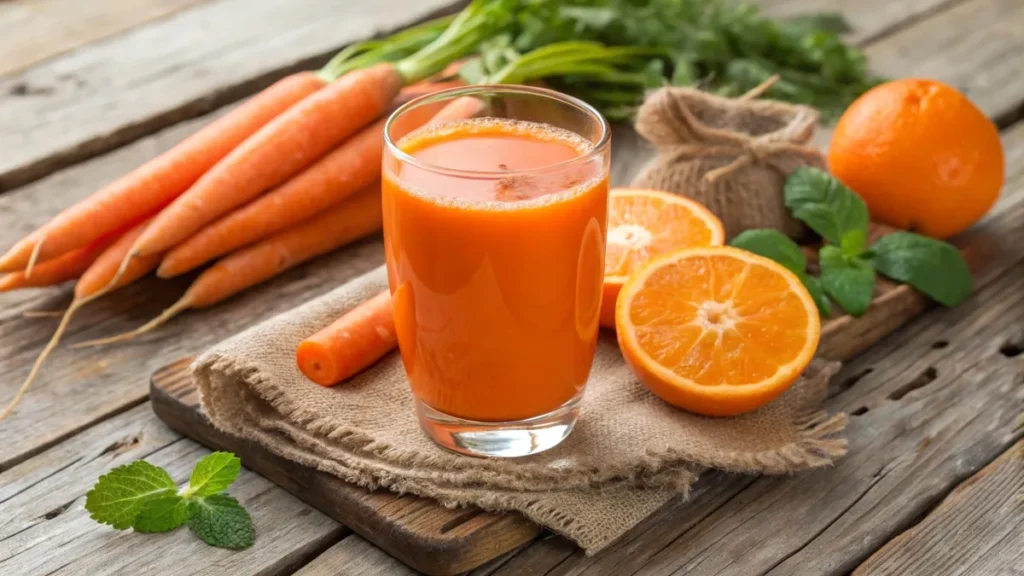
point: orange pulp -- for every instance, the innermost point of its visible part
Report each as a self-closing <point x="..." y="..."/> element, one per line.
<point x="496" y="273"/>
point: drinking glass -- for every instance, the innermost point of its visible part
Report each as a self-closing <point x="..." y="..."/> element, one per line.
<point x="495" y="214"/>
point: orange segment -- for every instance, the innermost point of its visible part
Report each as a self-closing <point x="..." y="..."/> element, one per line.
<point x="716" y="330"/>
<point x="643" y="224"/>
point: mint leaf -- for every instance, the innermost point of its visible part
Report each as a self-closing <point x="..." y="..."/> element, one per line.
<point x="825" y="204"/>
<point x="774" y="245"/>
<point x="817" y="292"/>
<point x="213" y="474"/>
<point x="932" y="266"/>
<point x="162" y="514"/>
<point x="853" y="243"/>
<point x="219" y="520"/>
<point x="849" y="281"/>
<point x="119" y="495"/>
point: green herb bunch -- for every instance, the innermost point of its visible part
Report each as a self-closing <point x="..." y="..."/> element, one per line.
<point x="145" y="498"/>
<point x="848" y="265"/>
<point x="726" y="46"/>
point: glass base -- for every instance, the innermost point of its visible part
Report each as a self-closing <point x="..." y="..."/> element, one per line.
<point x="500" y="439"/>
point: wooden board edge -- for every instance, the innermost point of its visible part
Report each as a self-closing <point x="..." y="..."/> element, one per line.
<point x="436" y="557"/>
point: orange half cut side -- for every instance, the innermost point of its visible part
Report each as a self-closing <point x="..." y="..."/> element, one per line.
<point x="643" y="224"/>
<point x="717" y="330"/>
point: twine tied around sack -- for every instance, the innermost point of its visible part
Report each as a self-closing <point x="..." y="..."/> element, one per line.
<point x="731" y="154"/>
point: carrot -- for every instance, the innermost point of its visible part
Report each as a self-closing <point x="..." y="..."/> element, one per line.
<point x="153" y="185"/>
<point x="410" y="93"/>
<point x="95" y="282"/>
<point x="349" y="344"/>
<point x="341" y="173"/>
<point x="67" y="266"/>
<point x="286" y="145"/>
<point x="311" y="128"/>
<point x="352" y="219"/>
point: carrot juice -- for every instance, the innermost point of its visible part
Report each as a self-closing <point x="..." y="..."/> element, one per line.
<point x="494" y="232"/>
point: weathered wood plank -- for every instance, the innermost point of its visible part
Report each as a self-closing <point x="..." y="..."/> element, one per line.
<point x="44" y="527"/>
<point x="976" y="530"/>
<point x="904" y="453"/>
<point x="354" y="556"/>
<point x="868" y="19"/>
<point x="975" y="46"/>
<point x="106" y="94"/>
<point x="78" y="387"/>
<point x="33" y="30"/>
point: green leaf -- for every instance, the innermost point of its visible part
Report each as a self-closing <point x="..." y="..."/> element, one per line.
<point x="848" y="281"/>
<point x="825" y="204"/>
<point x="219" y="520"/>
<point x="213" y="474"/>
<point x="774" y="245"/>
<point x="817" y="292"/>
<point x="853" y="242"/>
<point x="934" y="267"/>
<point x="162" y="514"/>
<point x="119" y="495"/>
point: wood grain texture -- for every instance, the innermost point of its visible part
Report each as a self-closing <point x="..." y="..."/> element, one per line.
<point x="354" y="556"/>
<point x="976" y="46"/>
<point x="44" y="527"/>
<point x="33" y="30"/>
<point x="419" y="531"/>
<point x="868" y="19"/>
<point x="933" y="402"/>
<point x="106" y="94"/>
<point x="977" y="529"/>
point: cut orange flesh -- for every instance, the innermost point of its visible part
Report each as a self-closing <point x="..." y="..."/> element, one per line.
<point x="717" y="330"/>
<point x="643" y="224"/>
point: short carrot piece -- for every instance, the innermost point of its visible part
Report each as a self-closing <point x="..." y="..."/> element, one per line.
<point x="350" y="344"/>
<point x="354" y="218"/>
<point x="343" y="172"/>
<point x="95" y="282"/>
<point x="143" y="191"/>
<point x="279" y="150"/>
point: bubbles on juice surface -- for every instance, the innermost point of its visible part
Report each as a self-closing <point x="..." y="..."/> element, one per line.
<point x="498" y="164"/>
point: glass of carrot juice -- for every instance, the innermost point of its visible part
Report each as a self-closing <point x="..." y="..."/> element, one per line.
<point x="495" y="214"/>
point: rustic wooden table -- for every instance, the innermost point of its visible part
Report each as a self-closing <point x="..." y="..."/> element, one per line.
<point x="88" y="90"/>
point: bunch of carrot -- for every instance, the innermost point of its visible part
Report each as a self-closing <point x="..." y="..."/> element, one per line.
<point x="288" y="175"/>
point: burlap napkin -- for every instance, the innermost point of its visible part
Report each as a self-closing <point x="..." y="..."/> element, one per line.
<point x="629" y="454"/>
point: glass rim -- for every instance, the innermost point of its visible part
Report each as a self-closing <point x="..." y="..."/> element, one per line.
<point x="453" y="93"/>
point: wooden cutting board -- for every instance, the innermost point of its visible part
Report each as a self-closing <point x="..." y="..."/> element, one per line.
<point x="420" y="532"/>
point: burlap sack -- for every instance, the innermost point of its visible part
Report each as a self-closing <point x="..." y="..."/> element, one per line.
<point x="629" y="454"/>
<point x="732" y="155"/>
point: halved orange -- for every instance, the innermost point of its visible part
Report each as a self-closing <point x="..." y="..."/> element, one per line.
<point x="717" y="330"/>
<point x="643" y="224"/>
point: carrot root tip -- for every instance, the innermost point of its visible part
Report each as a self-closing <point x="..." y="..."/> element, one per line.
<point x="34" y="257"/>
<point x="164" y="316"/>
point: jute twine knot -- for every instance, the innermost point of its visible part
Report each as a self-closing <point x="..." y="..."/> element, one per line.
<point x="731" y="154"/>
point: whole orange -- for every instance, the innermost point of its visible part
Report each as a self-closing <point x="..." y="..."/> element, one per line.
<point x="921" y="155"/>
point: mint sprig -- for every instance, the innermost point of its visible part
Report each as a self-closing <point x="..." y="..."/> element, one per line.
<point x="849" y="280"/>
<point x="145" y="498"/>
<point x="827" y="207"/>
<point x="848" y="265"/>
